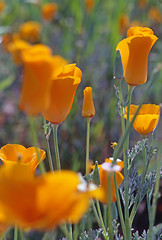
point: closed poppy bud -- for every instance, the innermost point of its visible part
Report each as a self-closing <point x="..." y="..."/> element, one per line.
<point x="134" y="53"/>
<point x="49" y="11"/>
<point x="88" y="110"/>
<point x="30" y="31"/>
<point x="146" y="119"/>
<point x="13" y="153"/>
<point x="38" y="67"/>
<point x="62" y="92"/>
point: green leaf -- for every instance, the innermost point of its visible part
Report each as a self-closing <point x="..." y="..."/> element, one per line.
<point x="6" y="83"/>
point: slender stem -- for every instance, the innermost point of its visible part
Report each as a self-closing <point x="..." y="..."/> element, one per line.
<point x="155" y="198"/>
<point x="49" y="154"/>
<point x="21" y="234"/>
<point x="105" y="215"/>
<point x="63" y="228"/>
<point x="126" y="186"/>
<point x="55" y="128"/>
<point x="87" y="145"/>
<point x="109" y="197"/>
<point x="35" y="141"/>
<point x="96" y="214"/>
<point x="100" y="216"/>
<point x="16" y="233"/>
<point x="71" y="231"/>
<point x="48" y="149"/>
<point x="119" y="207"/>
<point x="137" y="203"/>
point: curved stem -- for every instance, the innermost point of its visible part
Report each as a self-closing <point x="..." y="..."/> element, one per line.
<point x="35" y="141"/>
<point x="100" y="216"/>
<point x="87" y="145"/>
<point x="55" y="128"/>
<point x="16" y="233"/>
<point x="119" y="207"/>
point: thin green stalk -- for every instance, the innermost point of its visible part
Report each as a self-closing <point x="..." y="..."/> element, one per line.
<point x="155" y="198"/>
<point x="48" y="148"/>
<point x="96" y="214"/>
<point x="119" y="207"/>
<point x="70" y="231"/>
<point x="16" y="233"/>
<point x="100" y="216"/>
<point x="137" y="203"/>
<point x="21" y="234"/>
<point x="49" y="154"/>
<point x="87" y="145"/>
<point x="75" y="232"/>
<point x="105" y="215"/>
<point x="63" y="228"/>
<point x="35" y="141"/>
<point x="126" y="186"/>
<point x="55" y="128"/>
<point x="110" y="227"/>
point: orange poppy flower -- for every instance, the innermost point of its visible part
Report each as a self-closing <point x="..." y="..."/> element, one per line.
<point x="142" y="3"/>
<point x="38" y="67"/>
<point x="15" y="48"/>
<point x="146" y="119"/>
<point x="62" y="92"/>
<point x="88" y="110"/>
<point x="30" y="31"/>
<point x="155" y="15"/>
<point x="58" y="63"/>
<point x="123" y="23"/>
<point x="105" y="169"/>
<point x="39" y="202"/>
<point x="89" y="4"/>
<point x="49" y="11"/>
<point x="13" y="153"/>
<point x="2" y="6"/>
<point x="134" y="53"/>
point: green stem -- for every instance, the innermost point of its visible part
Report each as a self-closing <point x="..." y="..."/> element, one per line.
<point x="96" y="214"/>
<point x="48" y="149"/>
<point x="63" y="228"/>
<point x="21" y="234"/>
<point x="100" y="216"/>
<point x="137" y="203"/>
<point x="87" y="145"/>
<point x="49" y="155"/>
<point x="119" y="207"/>
<point x="155" y="198"/>
<point x="55" y="128"/>
<point x="126" y="186"/>
<point x="109" y="197"/>
<point x="35" y="141"/>
<point x="16" y="233"/>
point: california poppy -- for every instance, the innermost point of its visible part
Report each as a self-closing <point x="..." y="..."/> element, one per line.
<point x="39" y="202"/>
<point x="88" y="110"/>
<point x="62" y="92"/>
<point x="15" y="48"/>
<point x="49" y="11"/>
<point x="105" y="169"/>
<point x="134" y="53"/>
<point x="38" y="67"/>
<point x="14" y="153"/>
<point x="146" y="119"/>
<point x="30" y="31"/>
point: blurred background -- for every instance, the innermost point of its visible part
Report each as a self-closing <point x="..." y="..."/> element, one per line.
<point x="85" y="32"/>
